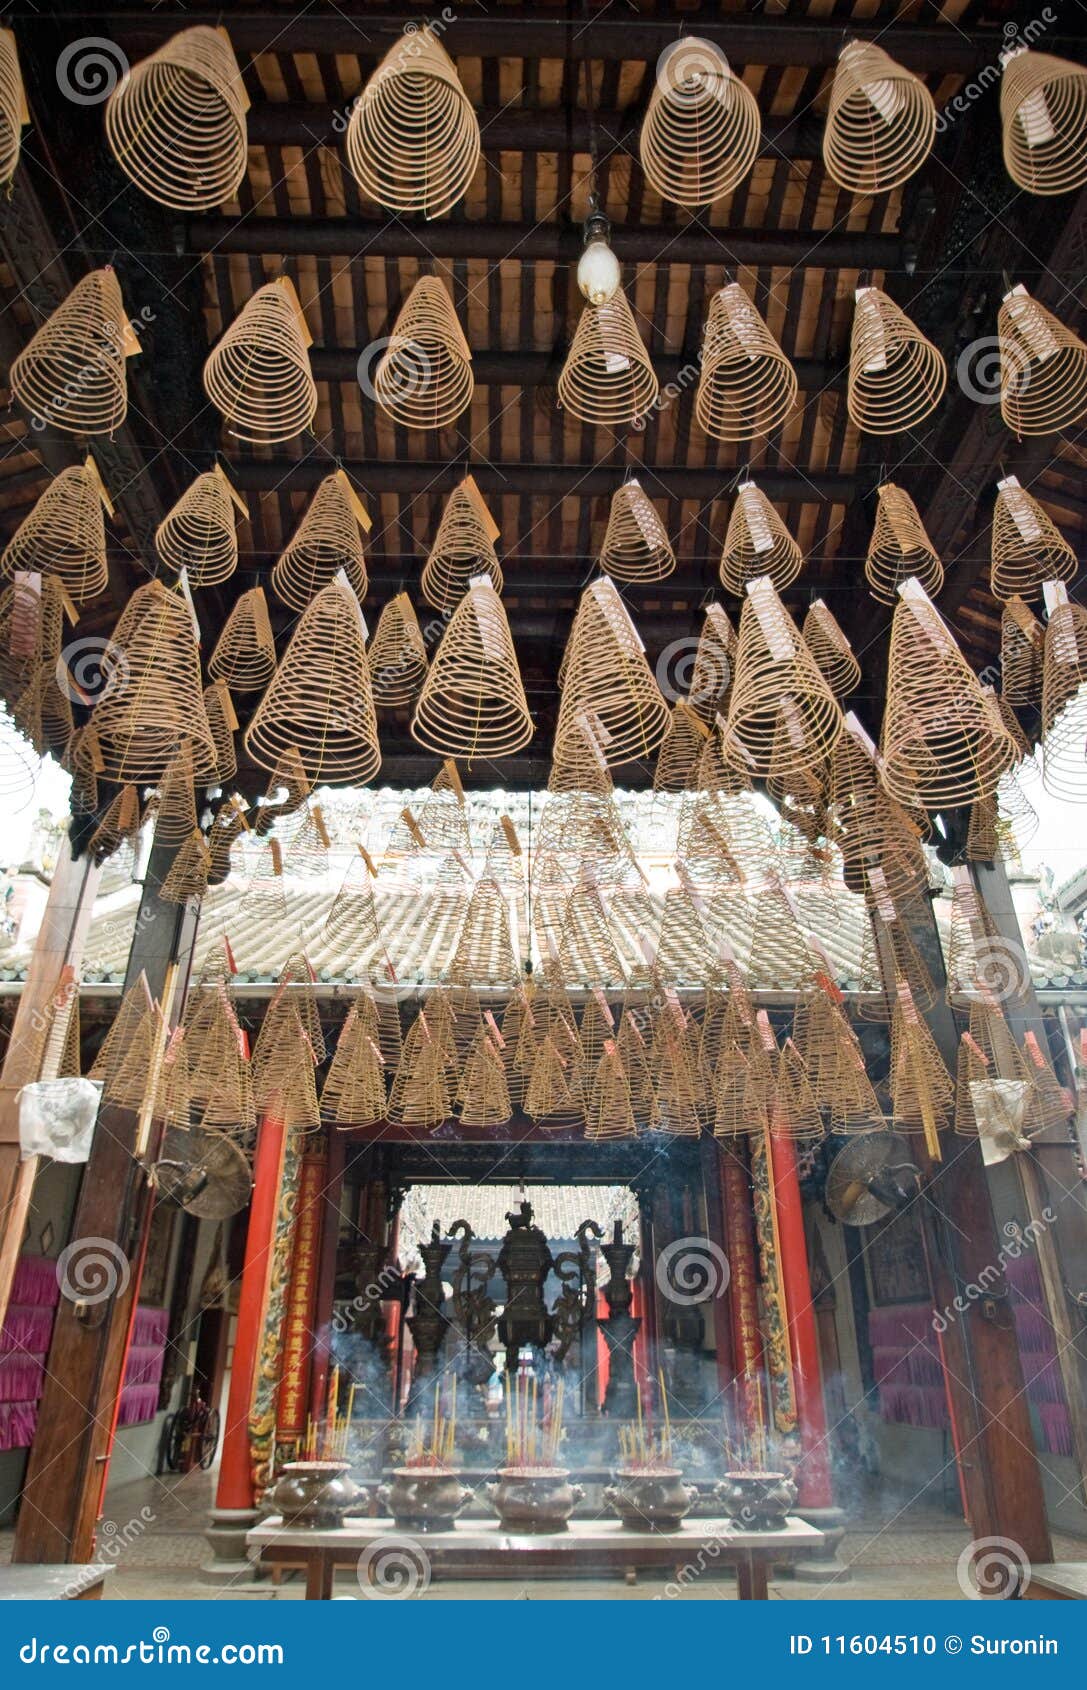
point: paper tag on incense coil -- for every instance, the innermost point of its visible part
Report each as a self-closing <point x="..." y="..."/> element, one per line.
<point x="226" y="704"/>
<point x="692" y="720"/>
<point x="870" y="325"/>
<point x="91" y="748"/>
<point x="629" y="1021"/>
<point x="449" y="770"/>
<point x="1034" y="1050"/>
<point x="884" y="903"/>
<point x="643" y="513"/>
<point x="286" y="287"/>
<point x="1020" y="509"/>
<point x="1030" y="324"/>
<point x="648" y="950"/>
<point x="239" y="503"/>
<point x="319" y="824"/>
<point x="490" y="634"/>
<point x="860" y="733"/>
<point x="971" y="1044"/>
<point x="471" y="488"/>
<point x="906" y="1003"/>
<point x="831" y="987"/>
<point x="275" y="851"/>
<point x="495" y="1032"/>
<point x="367" y="859"/>
<point x="413" y="828"/>
<point x="423" y="1026"/>
<point x="603" y="1005"/>
<point x="376" y="1048"/>
<point x="769" y="615"/>
<point x="610" y="1049"/>
<point x="733" y="749"/>
<point x="511" y="835"/>
<point x="758" y="528"/>
<point x="341" y="580"/>
<point x="1023" y="617"/>
<point x="611" y="603"/>
<point x="719" y="622"/>
<point x="94" y="475"/>
<point x="765" y="1031"/>
<point x="358" y="509"/>
<point x="186" y="593"/>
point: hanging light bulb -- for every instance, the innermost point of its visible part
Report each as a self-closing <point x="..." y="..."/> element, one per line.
<point x="598" y="272"/>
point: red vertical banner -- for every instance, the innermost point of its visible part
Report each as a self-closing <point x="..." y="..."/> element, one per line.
<point x="292" y="1402"/>
<point x="813" y="1476"/>
<point x="743" y="1295"/>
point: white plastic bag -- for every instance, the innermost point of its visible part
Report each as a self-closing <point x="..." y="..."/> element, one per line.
<point x="56" y="1118"/>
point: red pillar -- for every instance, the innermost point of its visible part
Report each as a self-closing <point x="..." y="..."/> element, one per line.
<point x="814" y="1473"/>
<point x="326" y="1278"/>
<point x="235" y="1488"/>
<point x="743" y="1295"/>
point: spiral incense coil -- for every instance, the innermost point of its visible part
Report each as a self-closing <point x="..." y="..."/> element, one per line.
<point x="1022" y="648"/>
<point x="424" y="378"/>
<point x="413" y="138"/>
<point x="258" y="373"/>
<point x="881" y="121"/>
<point x="611" y="703"/>
<point x="1043" y="108"/>
<point x="198" y="534"/>
<point x="71" y="374"/>
<point x="701" y="131"/>
<point x="899" y="548"/>
<point x="607" y="377"/>
<point x="609" y="1111"/>
<point x="757" y="542"/>
<point x="245" y="652"/>
<point x="747" y="387"/>
<point x="681" y="748"/>
<point x="1064" y="700"/>
<point x="327" y="539"/>
<point x="922" y="1090"/>
<point x="483" y="1098"/>
<point x="223" y="724"/>
<point x="944" y="742"/>
<point x="13" y="109"/>
<point x="463" y="547"/>
<point x="1028" y="549"/>
<point x="43" y="711"/>
<point x="318" y="704"/>
<point x="778" y="687"/>
<point x="896" y="376"/>
<point x="188" y="873"/>
<point x="397" y="655"/>
<point x="1043" y="368"/>
<point x="473" y="702"/>
<point x="64" y="534"/>
<point x="636" y="545"/>
<point x="153" y="699"/>
<point x="987" y="1051"/>
<point x="831" y="650"/>
<point x="175" y="123"/>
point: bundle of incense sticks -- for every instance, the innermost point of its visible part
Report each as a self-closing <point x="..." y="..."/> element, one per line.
<point x="533" y="1430"/>
<point x="432" y="1440"/>
<point x="642" y="1447"/>
<point x="758" y="1455"/>
<point x="326" y="1437"/>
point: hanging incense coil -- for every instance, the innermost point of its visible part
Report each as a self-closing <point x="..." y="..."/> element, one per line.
<point x="944" y="742"/>
<point x="245" y="652"/>
<point x="227" y="825"/>
<point x="1028" y="549"/>
<point x="1064" y="701"/>
<point x="175" y="804"/>
<point x="609" y="692"/>
<point x="587" y="954"/>
<point x="681" y="748"/>
<point x="1050" y="1107"/>
<point x="220" y="1084"/>
<point x="413" y="137"/>
<point x="424" y="378"/>
<point x="353" y="1094"/>
<point x="175" y="123"/>
<point x="421" y="1093"/>
<point x="483" y="1098"/>
<point x="1043" y="108"/>
<point x="223" y="724"/>
<point x="288" y="788"/>
<point x="152" y="700"/>
<point x="484" y="953"/>
<point x="71" y="375"/>
<point x="896" y="376"/>
<point x="900" y="548"/>
<point x="871" y="828"/>
<point x="775" y="669"/>
<point x="473" y="702"/>
<point x="922" y="1090"/>
<point x="553" y="1094"/>
<point x="881" y="121"/>
<point x="43" y="712"/>
<point x="715" y="657"/>
<point x="701" y="131"/>
<point x="835" y="1064"/>
<point x="397" y="655"/>
<point x="188" y="874"/>
<point x="757" y="542"/>
<point x="607" y="378"/>
<point x="64" y="534"/>
<point x="609" y="1111"/>
<point x="198" y="534"/>
<point x="327" y="540"/>
<point x="1043" y="368"/>
<point x="636" y="545"/>
<point x="1022" y="646"/>
<point x="747" y="387"/>
<point x="258" y="373"/>
<point x="987" y="1052"/>
<point x="463" y="548"/>
<point x="126" y="1058"/>
<point x="120" y="825"/>
<point x="979" y="958"/>
<point x="13" y="108"/>
<point x="831" y="650"/>
<point x="677" y="1093"/>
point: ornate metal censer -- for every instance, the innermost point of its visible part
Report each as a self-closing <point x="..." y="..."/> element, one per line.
<point x="524" y="1262"/>
<point x="620" y="1328"/>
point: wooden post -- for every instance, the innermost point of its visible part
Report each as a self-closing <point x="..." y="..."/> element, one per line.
<point x="70" y="1454"/>
<point x="814" y="1472"/>
<point x="715" y="1230"/>
<point x="59" y="944"/>
<point x="326" y="1274"/>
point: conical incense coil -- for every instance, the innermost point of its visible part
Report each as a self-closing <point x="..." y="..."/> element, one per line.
<point x="421" y="1093"/>
<point x="43" y="712"/>
<point x="294" y="996"/>
<point x="775" y="667"/>
<point x="943" y="740"/>
<point x="327" y="539"/>
<point x="318" y="702"/>
<point x="223" y="724"/>
<point x="676" y="1080"/>
<point x="1043" y="108"/>
<point x="152" y="700"/>
<point x="871" y="828"/>
<point x="1051" y="1106"/>
<point x="900" y="548"/>
<point x="64" y="534"/>
<point x="609" y="1111"/>
<point x="636" y="546"/>
<point x="890" y="953"/>
<point x="13" y="108"/>
<point x="794" y="1113"/>
<point x="681" y="748"/>
<point x="1028" y="549"/>
<point x="577" y="762"/>
<point x="120" y="825"/>
<point x="443" y="816"/>
<point x="175" y="804"/>
<point x="979" y="959"/>
<point x="71" y="375"/>
<point x="175" y="123"/>
<point x="987" y="1052"/>
<point x="484" y="953"/>
<point x="608" y="689"/>
<point x="258" y="374"/>
<point x="198" y="534"/>
<point x="1064" y="700"/>
<point x="483" y="1098"/>
<point x="834" y="1061"/>
<point x="701" y="131"/>
<point x="747" y="387"/>
<point x="245" y="652"/>
<point x="413" y="137"/>
<point x="922" y="1090"/>
<point x="732" y="1118"/>
<point x="1022" y="646"/>
<point x="715" y="657"/>
<point x="881" y="121"/>
<point x="188" y="874"/>
<point x="1043" y="368"/>
<point x="227" y="825"/>
<point x="607" y="377"/>
<point x="831" y="650"/>
<point x="587" y="953"/>
<point x="473" y="702"/>
<point x="896" y="376"/>
<point x="424" y="378"/>
<point x="288" y="789"/>
<point x="132" y="1030"/>
<point x="353" y="1094"/>
<point x="553" y="1094"/>
<point x="463" y="548"/>
<point x="397" y="655"/>
<point x="757" y="542"/>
